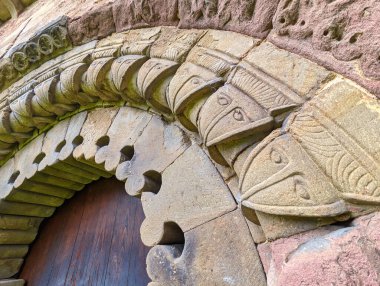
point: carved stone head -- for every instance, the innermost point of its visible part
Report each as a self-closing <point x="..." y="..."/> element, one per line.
<point x="280" y="178"/>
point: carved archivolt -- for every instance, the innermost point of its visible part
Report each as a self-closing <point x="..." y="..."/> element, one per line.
<point x="301" y="146"/>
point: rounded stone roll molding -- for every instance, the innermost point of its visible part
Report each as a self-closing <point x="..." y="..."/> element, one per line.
<point x="300" y="141"/>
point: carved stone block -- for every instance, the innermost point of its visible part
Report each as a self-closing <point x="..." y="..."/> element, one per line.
<point x="11" y="251"/>
<point x="250" y="105"/>
<point x="130" y="123"/>
<point x="174" y="44"/>
<point x="17" y="236"/>
<point x="53" y="143"/>
<point x="12" y="282"/>
<point x="94" y="128"/>
<point x="66" y="161"/>
<point x="206" y="68"/>
<point x="94" y="24"/>
<point x="191" y="84"/>
<point x="134" y="49"/>
<point x="10" y="267"/>
<point x="302" y="76"/>
<point x="219" y="252"/>
<point x="45" y="44"/>
<point x="338" y="130"/>
<point x="153" y="79"/>
<point x="323" y="169"/>
<point x="192" y="192"/>
<point x="26" y="161"/>
<point x="19" y="222"/>
<point x="170" y="49"/>
<point x="94" y="80"/>
<point x="157" y="147"/>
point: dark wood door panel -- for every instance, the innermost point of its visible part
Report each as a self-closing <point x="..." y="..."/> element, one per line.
<point x="93" y="239"/>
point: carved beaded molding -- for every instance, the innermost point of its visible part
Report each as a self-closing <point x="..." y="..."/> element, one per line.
<point x="301" y="140"/>
<point x="46" y="44"/>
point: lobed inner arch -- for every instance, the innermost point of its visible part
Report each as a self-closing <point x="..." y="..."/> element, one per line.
<point x="150" y="85"/>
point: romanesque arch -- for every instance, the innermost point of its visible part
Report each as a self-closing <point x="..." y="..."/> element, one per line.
<point x="230" y="139"/>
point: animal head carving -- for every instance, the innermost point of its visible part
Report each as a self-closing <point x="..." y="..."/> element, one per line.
<point x="190" y="84"/>
<point x="280" y="178"/>
<point x="229" y="114"/>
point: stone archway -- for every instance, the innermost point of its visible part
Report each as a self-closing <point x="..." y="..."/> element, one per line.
<point x="188" y="199"/>
<point x="267" y="118"/>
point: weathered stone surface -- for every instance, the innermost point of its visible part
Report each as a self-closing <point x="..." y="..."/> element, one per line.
<point x="157" y="147"/>
<point x="49" y="199"/>
<point x="12" y="282"/>
<point x="13" y="251"/>
<point x="94" y="128"/>
<point x="17" y="236"/>
<point x="325" y="166"/>
<point x="345" y="256"/>
<point x="245" y="16"/>
<point x="23" y="209"/>
<point x="341" y="35"/>
<point x="206" y="68"/>
<point x="93" y="24"/>
<point x="53" y="142"/>
<point x="9" y="267"/>
<point x="26" y="161"/>
<point x="136" y="14"/>
<point x="338" y="131"/>
<point x="128" y="125"/>
<point x="167" y="52"/>
<point x="300" y="75"/>
<point x="19" y="222"/>
<point x="220" y="252"/>
<point x="192" y="192"/>
<point x="43" y="45"/>
<point x="279" y="168"/>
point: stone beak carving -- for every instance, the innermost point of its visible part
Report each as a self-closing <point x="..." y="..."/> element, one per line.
<point x="279" y="178"/>
<point x="190" y="84"/>
<point x="231" y="114"/>
<point x="153" y="79"/>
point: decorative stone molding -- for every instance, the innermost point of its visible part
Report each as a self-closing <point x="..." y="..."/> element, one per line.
<point x="25" y="57"/>
<point x="301" y="140"/>
<point x="59" y="163"/>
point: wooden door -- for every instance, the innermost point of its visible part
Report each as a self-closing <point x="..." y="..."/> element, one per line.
<point x="93" y="239"/>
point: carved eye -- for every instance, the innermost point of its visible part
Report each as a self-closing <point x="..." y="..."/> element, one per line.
<point x="195" y="81"/>
<point x="300" y="188"/>
<point x="238" y="114"/>
<point x="276" y="157"/>
<point x="224" y="99"/>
